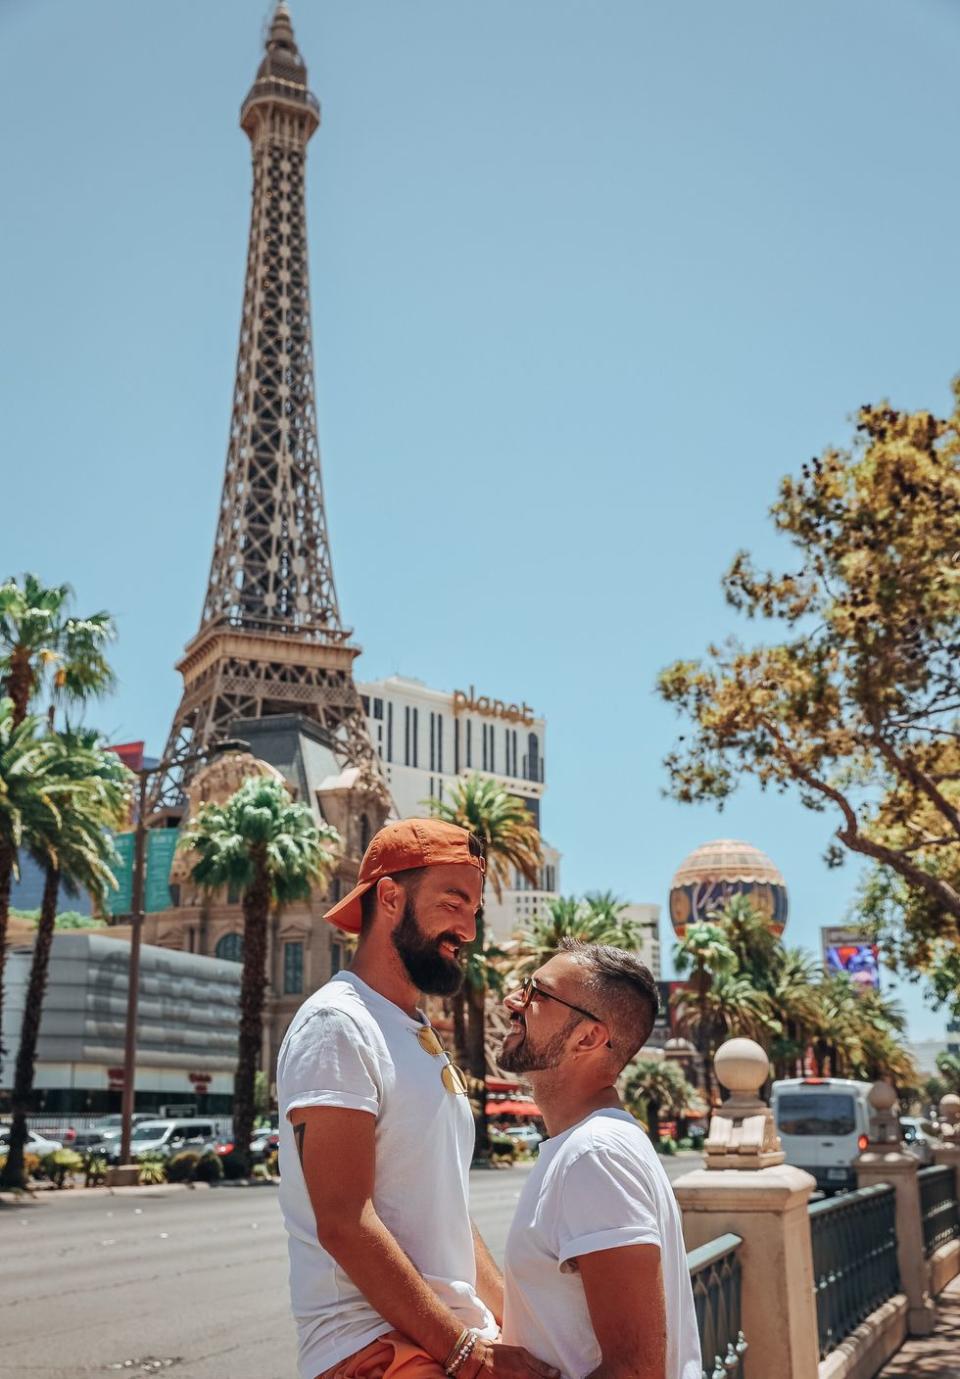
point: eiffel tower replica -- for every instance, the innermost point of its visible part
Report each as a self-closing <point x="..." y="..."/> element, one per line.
<point x="271" y="640"/>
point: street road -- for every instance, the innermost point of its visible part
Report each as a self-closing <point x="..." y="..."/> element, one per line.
<point x="193" y="1284"/>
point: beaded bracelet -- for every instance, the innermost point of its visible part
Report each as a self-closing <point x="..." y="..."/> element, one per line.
<point x="463" y="1353"/>
<point x="455" y="1348"/>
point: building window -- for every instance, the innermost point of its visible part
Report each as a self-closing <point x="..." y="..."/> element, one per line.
<point x="365" y="701"/>
<point x="336" y="958"/>
<point x="292" y="969"/>
<point x="433" y="749"/>
<point x="364" y="832"/>
<point x="378" y="708"/>
<point x="230" y="948"/>
<point x="389" y="732"/>
<point x="469" y="745"/>
<point x="416" y="733"/>
<point x="406" y="735"/>
<point x="439" y="741"/>
<point x="533" y="757"/>
<point x="456" y="746"/>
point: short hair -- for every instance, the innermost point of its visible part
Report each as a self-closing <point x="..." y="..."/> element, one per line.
<point x="623" y="990"/>
<point x="409" y="879"/>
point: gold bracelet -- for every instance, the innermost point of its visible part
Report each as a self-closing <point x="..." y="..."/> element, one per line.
<point x="455" y="1349"/>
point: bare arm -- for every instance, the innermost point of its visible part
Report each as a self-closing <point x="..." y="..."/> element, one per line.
<point x="489" y="1278"/>
<point x="624" y="1290"/>
<point x="349" y="1229"/>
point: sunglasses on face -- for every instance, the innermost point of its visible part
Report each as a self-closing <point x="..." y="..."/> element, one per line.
<point x="450" y="1075"/>
<point x="531" y="987"/>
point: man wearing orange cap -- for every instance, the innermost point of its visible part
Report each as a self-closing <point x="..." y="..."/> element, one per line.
<point x="376" y="1135"/>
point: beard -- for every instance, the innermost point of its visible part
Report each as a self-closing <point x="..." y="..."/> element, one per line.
<point x="526" y="1057"/>
<point x="427" y="968"/>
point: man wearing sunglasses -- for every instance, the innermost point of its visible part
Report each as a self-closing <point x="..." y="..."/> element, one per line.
<point x="596" y="1271"/>
<point x="376" y="1135"/>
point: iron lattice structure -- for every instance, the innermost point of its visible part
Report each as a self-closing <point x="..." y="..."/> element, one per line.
<point x="271" y="638"/>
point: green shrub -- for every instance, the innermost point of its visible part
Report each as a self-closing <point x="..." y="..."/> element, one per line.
<point x="183" y="1166"/>
<point x="209" y="1169"/>
<point x="686" y="1143"/>
<point x="31" y="1165"/>
<point x="94" y="1170"/>
<point x="667" y="1146"/>
<point x="153" y="1170"/>
<point x="60" y="1165"/>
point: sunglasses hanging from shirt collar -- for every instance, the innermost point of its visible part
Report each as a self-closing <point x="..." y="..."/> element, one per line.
<point x="451" y="1076"/>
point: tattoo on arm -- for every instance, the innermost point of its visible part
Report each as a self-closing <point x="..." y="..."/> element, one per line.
<point x="299" y="1131"/>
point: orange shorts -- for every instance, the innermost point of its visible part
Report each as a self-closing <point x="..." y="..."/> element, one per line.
<point x="388" y="1357"/>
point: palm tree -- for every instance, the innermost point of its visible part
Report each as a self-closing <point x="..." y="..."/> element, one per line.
<point x="756" y="947"/>
<point x="705" y="953"/>
<point x="595" y="919"/>
<point x="76" y="851"/>
<point x="41" y="646"/>
<point x="272" y="850"/>
<point x="655" y="1088"/>
<point x="732" y="1007"/>
<point x="28" y="801"/>
<point x="511" y="842"/>
<point x="794" y="994"/>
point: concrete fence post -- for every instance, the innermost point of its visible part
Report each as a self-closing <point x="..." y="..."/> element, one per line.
<point x="746" y="1188"/>
<point x="885" y="1161"/>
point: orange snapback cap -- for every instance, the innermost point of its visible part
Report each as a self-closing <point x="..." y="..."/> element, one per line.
<point x="404" y="846"/>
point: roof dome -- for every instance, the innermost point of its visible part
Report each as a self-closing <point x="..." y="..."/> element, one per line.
<point x="717" y="871"/>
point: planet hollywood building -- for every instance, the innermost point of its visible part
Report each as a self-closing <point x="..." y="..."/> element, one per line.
<point x="426" y="739"/>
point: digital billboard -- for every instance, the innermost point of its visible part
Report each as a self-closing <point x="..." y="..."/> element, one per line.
<point x="849" y="952"/>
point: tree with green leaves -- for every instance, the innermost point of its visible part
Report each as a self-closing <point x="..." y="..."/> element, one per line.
<point x="76" y="852"/>
<point x="511" y="843"/>
<point x="46" y="652"/>
<point x="272" y="850"/>
<point x="597" y="918"/>
<point x="856" y="704"/>
<point x="706" y="954"/>
<point x="30" y="800"/>
<point x="655" y="1089"/>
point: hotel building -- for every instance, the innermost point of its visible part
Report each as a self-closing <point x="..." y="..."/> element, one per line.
<point x="427" y="738"/>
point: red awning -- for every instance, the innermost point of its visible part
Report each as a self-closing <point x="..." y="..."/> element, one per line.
<point x="512" y="1108"/>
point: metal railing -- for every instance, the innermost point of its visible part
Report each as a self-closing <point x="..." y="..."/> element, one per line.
<point x="854" y="1259"/>
<point x="715" y="1276"/>
<point x="939" y="1209"/>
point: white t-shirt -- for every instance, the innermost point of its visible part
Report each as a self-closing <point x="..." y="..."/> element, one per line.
<point x="598" y="1186"/>
<point x="349" y="1046"/>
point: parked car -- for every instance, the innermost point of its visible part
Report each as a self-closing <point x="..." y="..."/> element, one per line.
<point x="36" y="1144"/>
<point x="918" y="1138"/>
<point x="526" y="1136"/>
<point x="264" y="1142"/>
<point x="823" y="1123"/>
<point x="166" y="1137"/>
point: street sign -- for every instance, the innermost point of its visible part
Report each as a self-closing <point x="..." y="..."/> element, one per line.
<point x="161" y="845"/>
<point x="120" y="901"/>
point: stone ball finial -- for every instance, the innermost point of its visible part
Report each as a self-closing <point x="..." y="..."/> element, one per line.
<point x="741" y="1066"/>
<point x="883" y="1096"/>
<point x="950" y="1108"/>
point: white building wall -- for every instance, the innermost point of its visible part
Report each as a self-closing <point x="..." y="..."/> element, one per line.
<point x="647" y="919"/>
<point x="426" y="738"/>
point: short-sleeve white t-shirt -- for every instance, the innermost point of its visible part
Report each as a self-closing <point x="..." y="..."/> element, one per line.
<point x="598" y="1186"/>
<point x="349" y="1046"/>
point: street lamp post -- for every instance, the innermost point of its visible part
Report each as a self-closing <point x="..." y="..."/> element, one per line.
<point x="136" y="926"/>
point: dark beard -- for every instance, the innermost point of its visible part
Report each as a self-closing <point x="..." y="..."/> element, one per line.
<point x="524" y="1058"/>
<point x="427" y="968"/>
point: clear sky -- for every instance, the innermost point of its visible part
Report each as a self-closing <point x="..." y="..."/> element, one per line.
<point x="587" y="279"/>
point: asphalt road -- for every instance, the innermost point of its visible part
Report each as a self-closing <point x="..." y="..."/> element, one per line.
<point x="150" y="1281"/>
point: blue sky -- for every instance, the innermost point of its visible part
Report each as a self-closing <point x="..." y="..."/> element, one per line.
<point x="587" y="279"/>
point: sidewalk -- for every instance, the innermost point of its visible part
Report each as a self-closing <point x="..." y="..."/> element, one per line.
<point x="936" y="1356"/>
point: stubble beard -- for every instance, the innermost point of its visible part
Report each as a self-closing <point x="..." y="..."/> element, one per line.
<point x="524" y="1057"/>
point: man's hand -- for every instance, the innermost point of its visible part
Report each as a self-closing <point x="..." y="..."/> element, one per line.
<point x="628" y="1311"/>
<point x="511" y="1362"/>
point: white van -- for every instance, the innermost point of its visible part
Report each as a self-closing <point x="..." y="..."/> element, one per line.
<point x="823" y="1123"/>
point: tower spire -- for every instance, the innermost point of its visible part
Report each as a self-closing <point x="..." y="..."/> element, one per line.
<point x="271" y="637"/>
